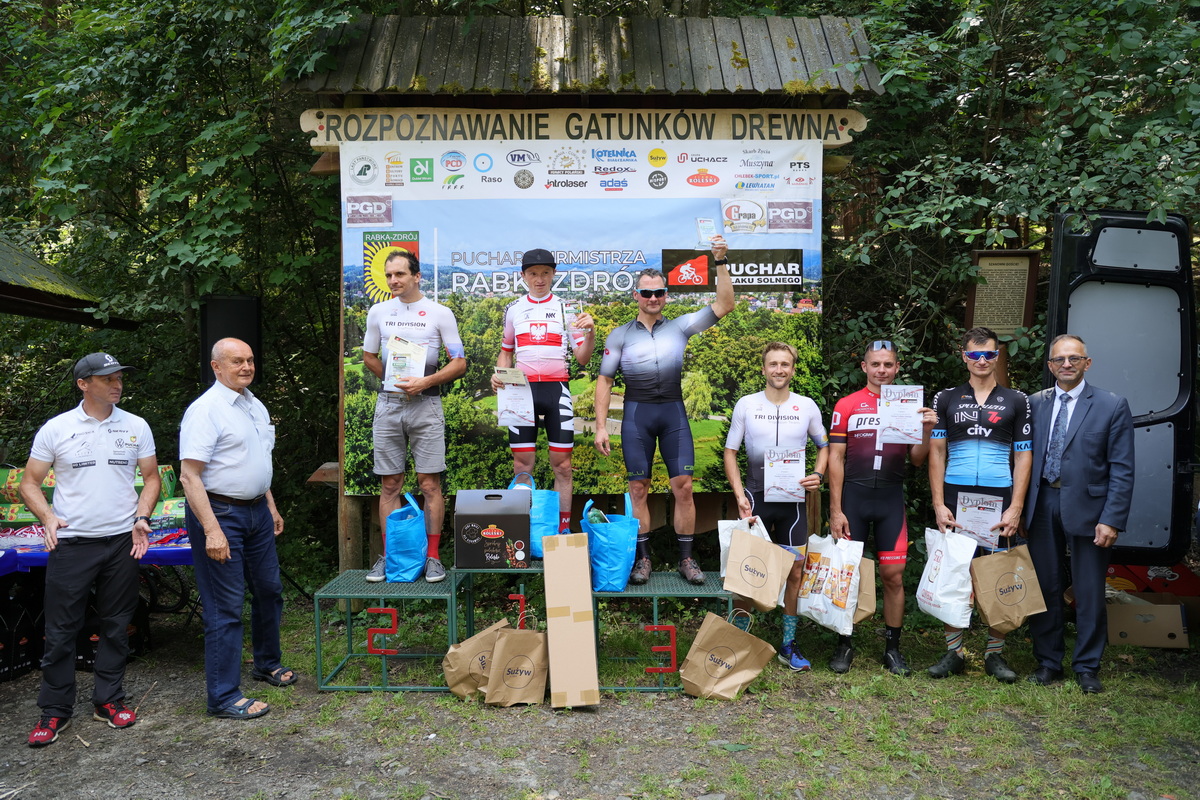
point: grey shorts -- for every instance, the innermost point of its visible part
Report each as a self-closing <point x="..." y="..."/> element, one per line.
<point x="402" y="424"/>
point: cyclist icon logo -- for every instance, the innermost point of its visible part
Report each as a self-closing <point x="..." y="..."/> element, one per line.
<point x="690" y="273"/>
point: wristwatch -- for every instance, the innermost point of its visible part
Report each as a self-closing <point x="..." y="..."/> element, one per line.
<point x="720" y="261"/>
<point x="820" y="475"/>
<point x="136" y="520"/>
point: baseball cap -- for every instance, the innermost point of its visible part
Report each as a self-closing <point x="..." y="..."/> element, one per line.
<point x="538" y="256"/>
<point x="98" y="364"/>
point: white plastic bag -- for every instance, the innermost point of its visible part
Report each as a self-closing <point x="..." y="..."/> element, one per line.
<point x="725" y="528"/>
<point x="945" y="588"/>
<point x="829" y="593"/>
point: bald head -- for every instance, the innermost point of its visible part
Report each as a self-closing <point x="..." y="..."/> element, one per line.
<point x="233" y="363"/>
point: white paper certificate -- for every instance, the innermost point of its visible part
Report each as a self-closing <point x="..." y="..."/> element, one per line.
<point x="405" y="360"/>
<point x="782" y="471"/>
<point x="899" y="413"/>
<point x="511" y="375"/>
<point x="976" y="514"/>
<point x="515" y="404"/>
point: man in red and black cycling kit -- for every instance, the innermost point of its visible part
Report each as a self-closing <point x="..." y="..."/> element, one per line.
<point x="649" y="354"/>
<point x="866" y="493"/>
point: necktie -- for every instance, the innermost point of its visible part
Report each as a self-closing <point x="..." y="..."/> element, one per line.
<point x="1058" y="438"/>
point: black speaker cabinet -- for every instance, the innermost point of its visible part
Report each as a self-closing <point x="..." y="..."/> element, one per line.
<point x="223" y="316"/>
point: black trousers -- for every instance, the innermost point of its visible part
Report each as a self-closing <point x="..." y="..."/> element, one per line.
<point x="74" y="566"/>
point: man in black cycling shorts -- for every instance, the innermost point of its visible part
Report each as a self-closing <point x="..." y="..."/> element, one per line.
<point x="981" y="445"/>
<point x="649" y="353"/>
<point x="866" y="492"/>
<point x="773" y="420"/>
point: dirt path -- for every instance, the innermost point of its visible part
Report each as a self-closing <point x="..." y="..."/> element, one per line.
<point x="864" y="735"/>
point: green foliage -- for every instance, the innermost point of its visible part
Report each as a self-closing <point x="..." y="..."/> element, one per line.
<point x="697" y="395"/>
<point x="149" y="155"/>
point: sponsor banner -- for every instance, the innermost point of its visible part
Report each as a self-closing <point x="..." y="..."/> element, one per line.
<point x="780" y="197"/>
<point x="333" y="127"/>
<point x="475" y="209"/>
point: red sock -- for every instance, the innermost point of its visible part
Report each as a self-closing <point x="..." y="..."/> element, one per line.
<point x="434" y="541"/>
<point x="564" y="521"/>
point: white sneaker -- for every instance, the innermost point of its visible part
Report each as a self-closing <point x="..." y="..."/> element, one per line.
<point x="378" y="572"/>
<point x="434" y="571"/>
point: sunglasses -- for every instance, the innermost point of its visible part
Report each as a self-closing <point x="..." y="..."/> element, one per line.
<point x="975" y="355"/>
<point x="882" y="344"/>
<point x="648" y="293"/>
<point x="1058" y="361"/>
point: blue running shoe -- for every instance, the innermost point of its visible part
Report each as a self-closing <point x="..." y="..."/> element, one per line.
<point x="790" y="657"/>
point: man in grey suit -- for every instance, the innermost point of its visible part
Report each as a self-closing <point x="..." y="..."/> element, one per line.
<point x="1078" y="498"/>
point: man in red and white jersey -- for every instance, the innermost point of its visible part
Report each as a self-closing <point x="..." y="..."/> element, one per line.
<point x="866" y="492"/>
<point x="541" y="332"/>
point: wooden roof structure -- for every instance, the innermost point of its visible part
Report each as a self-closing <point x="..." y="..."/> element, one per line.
<point x="30" y="288"/>
<point x="597" y="57"/>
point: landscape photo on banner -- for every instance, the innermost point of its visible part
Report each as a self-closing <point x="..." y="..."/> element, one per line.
<point x="606" y="210"/>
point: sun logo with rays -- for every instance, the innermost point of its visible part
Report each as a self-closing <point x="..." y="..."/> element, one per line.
<point x="376" y="248"/>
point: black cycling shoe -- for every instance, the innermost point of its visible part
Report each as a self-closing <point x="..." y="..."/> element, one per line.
<point x="951" y="664"/>
<point x="895" y="663"/>
<point x="842" y="656"/>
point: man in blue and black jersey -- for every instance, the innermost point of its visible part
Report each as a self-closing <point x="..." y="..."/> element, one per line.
<point x="981" y="445"/>
<point x="649" y="354"/>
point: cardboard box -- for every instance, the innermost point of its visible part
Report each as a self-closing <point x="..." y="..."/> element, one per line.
<point x="1163" y="623"/>
<point x="491" y="529"/>
<point x="570" y="623"/>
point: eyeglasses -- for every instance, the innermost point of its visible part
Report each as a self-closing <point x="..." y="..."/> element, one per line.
<point x="1058" y="361"/>
<point x="976" y="355"/>
<point x="648" y="293"/>
<point x="882" y="344"/>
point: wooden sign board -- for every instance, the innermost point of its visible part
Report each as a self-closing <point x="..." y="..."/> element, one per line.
<point x="1004" y="300"/>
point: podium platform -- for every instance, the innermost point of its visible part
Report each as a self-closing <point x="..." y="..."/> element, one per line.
<point x="372" y="643"/>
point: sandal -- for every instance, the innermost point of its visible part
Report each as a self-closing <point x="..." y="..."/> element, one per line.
<point x="240" y="709"/>
<point x="272" y="676"/>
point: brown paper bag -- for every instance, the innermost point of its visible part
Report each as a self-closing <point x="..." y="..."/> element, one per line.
<point x="466" y="663"/>
<point x="723" y="660"/>
<point x="1006" y="588"/>
<point x="866" y="591"/>
<point x="756" y="569"/>
<point x="519" y="666"/>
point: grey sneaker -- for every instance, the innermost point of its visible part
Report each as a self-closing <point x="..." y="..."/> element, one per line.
<point x="434" y="571"/>
<point x="378" y="572"/>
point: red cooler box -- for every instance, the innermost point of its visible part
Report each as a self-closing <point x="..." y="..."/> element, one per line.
<point x="491" y="529"/>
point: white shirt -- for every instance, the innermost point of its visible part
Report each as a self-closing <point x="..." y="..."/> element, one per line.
<point x="764" y="426"/>
<point x="232" y="434"/>
<point x="426" y="323"/>
<point x="94" y="465"/>
<point x="1058" y="406"/>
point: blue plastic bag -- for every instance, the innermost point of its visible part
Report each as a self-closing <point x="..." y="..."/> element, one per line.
<point x="613" y="545"/>
<point x="406" y="543"/>
<point x="543" y="513"/>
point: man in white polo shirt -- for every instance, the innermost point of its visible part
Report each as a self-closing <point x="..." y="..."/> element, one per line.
<point x="96" y="530"/>
<point x="401" y="345"/>
<point x="225" y="444"/>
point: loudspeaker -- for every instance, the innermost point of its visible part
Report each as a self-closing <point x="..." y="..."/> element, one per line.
<point x="1125" y="286"/>
<point x="224" y="316"/>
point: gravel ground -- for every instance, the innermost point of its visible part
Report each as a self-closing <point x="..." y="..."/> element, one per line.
<point x="800" y="736"/>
